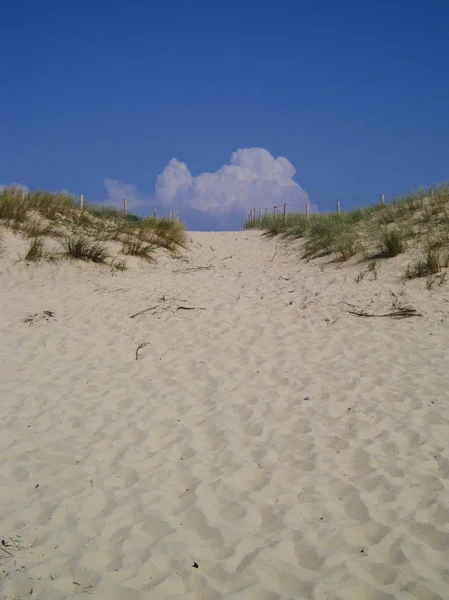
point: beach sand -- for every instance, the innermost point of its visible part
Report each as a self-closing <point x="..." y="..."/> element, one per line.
<point x="265" y="445"/>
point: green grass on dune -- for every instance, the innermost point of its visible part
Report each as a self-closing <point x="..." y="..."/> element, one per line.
<point x="377" y="231"/>
<point x="83" y="232"/>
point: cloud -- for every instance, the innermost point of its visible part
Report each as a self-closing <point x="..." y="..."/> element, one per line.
<point x="253" y="178"/>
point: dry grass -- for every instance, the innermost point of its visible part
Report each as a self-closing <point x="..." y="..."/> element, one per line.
<point x="38" y="215"/>
<point x="380" y="231"/>
<point x="82" y="248"/>
<point x="136" y="247"/>
<point x="35" y="251"/>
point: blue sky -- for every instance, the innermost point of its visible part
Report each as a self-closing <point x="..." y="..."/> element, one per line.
<point x="154" y="99"/>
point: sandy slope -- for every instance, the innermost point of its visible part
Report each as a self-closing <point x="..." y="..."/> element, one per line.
<point x="288" y="448"/>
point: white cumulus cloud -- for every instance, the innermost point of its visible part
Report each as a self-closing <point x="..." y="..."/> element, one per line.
<point x="253" y="178"/>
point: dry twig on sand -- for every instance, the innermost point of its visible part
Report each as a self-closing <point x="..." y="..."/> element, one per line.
<point x="396" y="314"/>
<point x="275" y="252"/>
<point x="193" y="269"/>
<point x="139" y="347"/>
<point x="143" y="311"/>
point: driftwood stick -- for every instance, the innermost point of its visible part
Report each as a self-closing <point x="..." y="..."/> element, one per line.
<point x="143" y="311"/>
<point x="275" y="252"/>
<point x="139" y="347"/>
<point x="397" y="314"/>
<point x="189" y="308"/>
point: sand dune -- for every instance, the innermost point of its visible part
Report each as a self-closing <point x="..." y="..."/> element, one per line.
<point x="265" y="445"/>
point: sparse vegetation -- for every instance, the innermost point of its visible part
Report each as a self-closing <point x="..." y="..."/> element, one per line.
<point x="119" y="264"/>
<point x="163" y="233"/>
<point x="428" y="265"/>
<point x="35" y="250"/>
<point x="35" y="228"/>
<point x="380" y="231"/>
<point x="391" y="243"/>
<point x="81" y="248"/>
<point x="39" y="215"/>
<point x="137" y="247"/>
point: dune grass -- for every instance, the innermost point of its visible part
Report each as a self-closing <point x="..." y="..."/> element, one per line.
<point x="83" y="232"/>
<point x="431" y="263"/>
<point x="136" y="247"/>
<point x="377" y="231"/>
<point x="82" y="248"/>
<point x="163" y="233"/>
<point x="391" y="242"/>
<point x="36" y="250"/>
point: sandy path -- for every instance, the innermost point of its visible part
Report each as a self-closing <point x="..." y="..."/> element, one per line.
<point x="289" y="449"/>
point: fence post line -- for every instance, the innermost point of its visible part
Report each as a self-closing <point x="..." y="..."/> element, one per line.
<point x="125" y="206"/>
<point x="382" y="200"/>
<point x="285" y="214"/>
<point x="307" y="211"/>
<point x="81" y="201"/>
<point x="338" y="207"/>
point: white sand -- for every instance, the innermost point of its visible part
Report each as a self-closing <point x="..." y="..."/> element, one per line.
<point x="290" y="449"/>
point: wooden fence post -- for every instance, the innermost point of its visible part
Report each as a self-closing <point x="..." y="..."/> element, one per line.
<point x="125" y="206"/>
<point x="81" y="201"/>
<point x="154" y="212"/>
<point x="382" y="200"/>
<point x="266" y="211"/>
<point x="275" y="210"/>
<point x="285" y="214"/>
<point x="307" y="211"/>
<point x="260" y="214"/>
<point x="338" y="207"/>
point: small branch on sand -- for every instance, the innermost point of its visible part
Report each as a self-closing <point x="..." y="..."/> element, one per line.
<point x="5" y="550"/>
<point x="143" y="311"/>
<point x="275" y="252"/>
<point x="397" y="314"/>
<point x="139" y="347"/>
<point x="189" y="308"/>
<point x="193" y="269"/>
